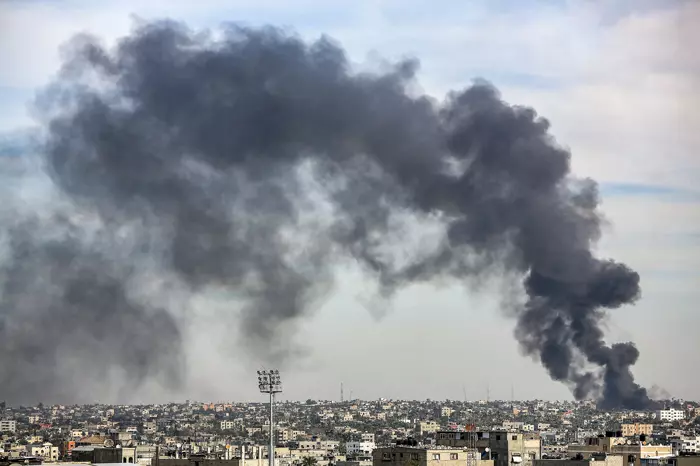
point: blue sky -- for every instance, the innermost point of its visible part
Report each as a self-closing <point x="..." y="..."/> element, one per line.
<point x="617" y="80"/>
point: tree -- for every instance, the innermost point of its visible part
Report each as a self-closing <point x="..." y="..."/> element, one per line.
<point x="309" y="461"/>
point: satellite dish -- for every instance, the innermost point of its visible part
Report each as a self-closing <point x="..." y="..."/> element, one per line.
<point x="109" y="443"/>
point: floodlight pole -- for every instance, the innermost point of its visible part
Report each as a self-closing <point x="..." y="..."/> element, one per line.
<point x="271" y="451"/>
<point x="269" y="381"/>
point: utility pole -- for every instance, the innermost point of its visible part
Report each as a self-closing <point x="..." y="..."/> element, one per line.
<point x="271" y="383"/>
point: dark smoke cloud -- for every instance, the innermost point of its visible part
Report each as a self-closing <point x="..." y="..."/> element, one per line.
<point x="203" y="152"/>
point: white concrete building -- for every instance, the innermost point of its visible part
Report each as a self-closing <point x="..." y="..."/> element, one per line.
<point x="8" y="425"/>
<point x="46" y="451"/>
<point x="670" y="415"/>
<point x="228" y="425"/>
<point x="512" y="426"/>
<point x="685" y="444"/>
<point x="359" y="448"/>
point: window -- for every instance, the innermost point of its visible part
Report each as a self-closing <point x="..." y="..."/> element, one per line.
<point x="436" y="456"/>
<point x="453" y="456"/>
<point x="515" y="437"/>
<point x="498" y="438"/>
<point x="414" y="456"/>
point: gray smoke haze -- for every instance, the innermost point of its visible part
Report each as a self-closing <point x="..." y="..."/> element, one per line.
<point x="192" y="157"/>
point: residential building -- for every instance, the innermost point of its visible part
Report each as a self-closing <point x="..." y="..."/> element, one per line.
<point x="428" y="427"/>
<point x="411" y="456"/>
<point x="45" y="450"/>
<point x="96" y="454"/>
<point x="512" y="426"/>
<point x="359" y="448"/>
<point x="8" y="425"/>
<point x="367" y="437"/>
<point x="228" y="425"/>
<point x="635" y="430"/>
<point x="358" y="462"/>
<point x="670" y="415"/>
<point x="684" y="444"/>
<point x="500" y="446"/>
<point x="283" y="435"/>
<point x="639" y="453"/>
<point x="684" y="460"/>
<point x="150" y="427"/>
<point x="598" y="460"/>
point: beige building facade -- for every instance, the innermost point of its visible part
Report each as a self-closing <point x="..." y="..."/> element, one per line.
<point x="414" y="456"/>
<point x="634" y="430"/>
<point x="620" y="446"/>
<point x="606" y="460"/>
<point x="428" y="427"/>
<point x="503" y="448"/>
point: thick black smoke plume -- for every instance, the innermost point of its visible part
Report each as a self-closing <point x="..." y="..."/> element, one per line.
<point x="196" y="156"/>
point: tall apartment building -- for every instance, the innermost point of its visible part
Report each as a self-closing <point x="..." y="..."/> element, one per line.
<point x="8" y="425"/>
<point x="634" y="430"/>
<point x="670" y="415"/>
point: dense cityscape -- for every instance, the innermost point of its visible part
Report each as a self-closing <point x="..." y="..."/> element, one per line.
<point x="352" y="433"/>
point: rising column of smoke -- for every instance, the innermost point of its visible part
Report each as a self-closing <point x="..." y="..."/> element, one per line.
<point x="198" y="143"/>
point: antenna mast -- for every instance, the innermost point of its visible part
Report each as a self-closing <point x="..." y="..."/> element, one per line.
<point x="471" y="444"/>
